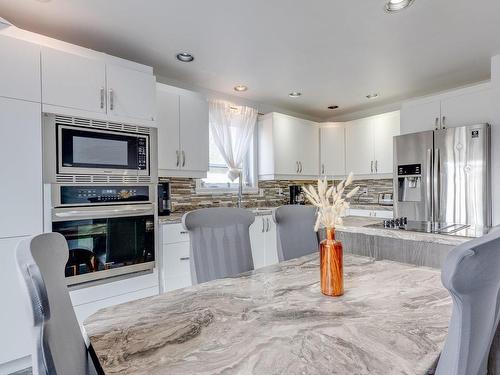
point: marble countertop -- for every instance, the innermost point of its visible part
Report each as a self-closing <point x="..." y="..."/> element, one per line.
<point x="354" y="224"/>
<point x="176" y="217"/>
<point x="392" y="319"/>
<point x="371" y="206"/>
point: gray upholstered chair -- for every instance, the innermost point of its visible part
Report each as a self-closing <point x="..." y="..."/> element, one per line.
<point x="59" y="347"/>
<point x="471" y="273"/>
<point x="220" y="242"/>
<point x="295" y="231"/>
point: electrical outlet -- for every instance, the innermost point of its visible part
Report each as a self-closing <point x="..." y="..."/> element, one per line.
<point x="261" y="192"/>
<point x="364" y="191"/>
<point x="280" y="191"/>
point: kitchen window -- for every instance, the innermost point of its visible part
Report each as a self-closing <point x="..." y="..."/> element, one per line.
<point x="217" y="179"/>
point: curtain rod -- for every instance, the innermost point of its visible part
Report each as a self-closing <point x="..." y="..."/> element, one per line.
<point x="236" y="108"/>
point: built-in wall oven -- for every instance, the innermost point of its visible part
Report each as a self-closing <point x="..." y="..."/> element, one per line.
<point x="110" y="230"/>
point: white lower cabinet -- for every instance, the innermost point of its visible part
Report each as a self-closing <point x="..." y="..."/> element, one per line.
<point x="263" y="241"/>
<point x="15" y="319"/>
<point x="175" y="245"/>
<point x="86" y="301"/>
<point x="175" y="267"/>
<point x="371" y="213"/>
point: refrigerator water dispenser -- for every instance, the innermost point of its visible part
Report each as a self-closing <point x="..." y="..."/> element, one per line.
<point x="409" y="189"/>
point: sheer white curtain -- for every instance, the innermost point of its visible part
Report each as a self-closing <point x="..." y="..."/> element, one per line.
<point x="232" y="130"/>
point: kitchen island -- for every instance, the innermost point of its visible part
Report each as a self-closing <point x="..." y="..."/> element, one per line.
<point x="392" y="319"/>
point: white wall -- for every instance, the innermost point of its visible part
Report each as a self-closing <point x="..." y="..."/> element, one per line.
<point x="495" y="139"/>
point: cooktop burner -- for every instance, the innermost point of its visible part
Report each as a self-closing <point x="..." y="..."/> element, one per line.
<point x="432" y="227"/>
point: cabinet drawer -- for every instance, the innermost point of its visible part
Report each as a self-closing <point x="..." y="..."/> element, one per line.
<point x="178" y="282"/>
<point x="176" y="259"/>
<point x="358" y="212"/>
<point x="173" y="233"/>
<point x="384" y="214"/>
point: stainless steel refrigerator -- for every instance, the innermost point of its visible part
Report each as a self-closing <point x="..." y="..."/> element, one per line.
<point x="443" y="176"/>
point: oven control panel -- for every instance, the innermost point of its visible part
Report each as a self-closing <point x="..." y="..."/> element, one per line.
<point x="141" y="153"/>
<point x="103" y="194"/>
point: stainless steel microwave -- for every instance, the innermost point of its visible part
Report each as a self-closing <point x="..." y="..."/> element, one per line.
<point x="77" y="147"/>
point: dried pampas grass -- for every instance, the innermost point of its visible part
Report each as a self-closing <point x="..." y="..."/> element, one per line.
<point x="329" y="201"/>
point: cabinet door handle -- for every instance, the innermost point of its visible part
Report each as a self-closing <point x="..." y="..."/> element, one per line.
<point x="184" y="258"/>
<point x="436" y="124"/>
<point x="111" y="100"/>
<point x="102" y="97"/>
<point x="371" y="166"/>
<point x="177" y="156"/>
<point x="183" y="158"/>
<point x="443" y="123"/>
<point x="322" y="169"/>
<point x="184" y="232"/>
<point x="268" y="224"/>
<point x="296" y="167"/>
<point x="376" y="166"/>
<point x="263" y="225"/>
<point x="300" y="164"/>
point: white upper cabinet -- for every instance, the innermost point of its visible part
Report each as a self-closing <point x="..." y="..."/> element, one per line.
<point x="94" y="87"/>
<point x="194" y="133"/>
<point x="182" y="121"/>
<point x="19" y="69"/>
<point x="359" y="147"/>
<point x="465" y="106"/>
<point x="369" y="144"/>
<point x="420" y="116"/>
<point x="73" y="81"/>
<point x="21" y="187"/>
<point x="131" y="94"/>
<point x="288" y="147"/>
<point x="332" y="148"/>
<point x="167" y="121"/>
<point x="385" y="127"/>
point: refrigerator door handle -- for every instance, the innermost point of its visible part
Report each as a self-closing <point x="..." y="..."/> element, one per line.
<point x="437" y="185"/>
<point x="428" y="185"/>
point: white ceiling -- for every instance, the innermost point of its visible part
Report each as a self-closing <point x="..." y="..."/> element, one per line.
<point x="333" y="51"/>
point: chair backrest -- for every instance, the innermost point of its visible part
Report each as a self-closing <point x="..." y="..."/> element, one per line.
<point x="59" y="344"/>
<point x="471" y="273"/>
<point x="220" y="242"/>
<point x="295" y="231"/>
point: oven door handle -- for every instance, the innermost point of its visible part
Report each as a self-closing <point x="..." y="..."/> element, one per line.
<point x="114" y="212"/>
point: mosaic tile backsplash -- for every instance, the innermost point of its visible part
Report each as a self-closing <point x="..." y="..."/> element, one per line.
<point x="272" y="194"/>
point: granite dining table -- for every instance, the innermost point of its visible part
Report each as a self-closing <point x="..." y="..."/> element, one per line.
<point x="392" y="319"/>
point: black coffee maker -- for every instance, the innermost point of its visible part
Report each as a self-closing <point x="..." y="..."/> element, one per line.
<point x="164" y="203"/>
<point x="296" y="195"/>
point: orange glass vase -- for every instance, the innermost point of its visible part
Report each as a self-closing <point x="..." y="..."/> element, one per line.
<point x="331" y="263"/>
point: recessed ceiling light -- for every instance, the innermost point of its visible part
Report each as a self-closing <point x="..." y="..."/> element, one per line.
<point x="240" y="88"/>
<point x="397" y="5"/>
<point x="294" y="94"/>
<point x="185" y="57"/>
<point x="333" y="107"/>
<point x="372" y="96"/>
